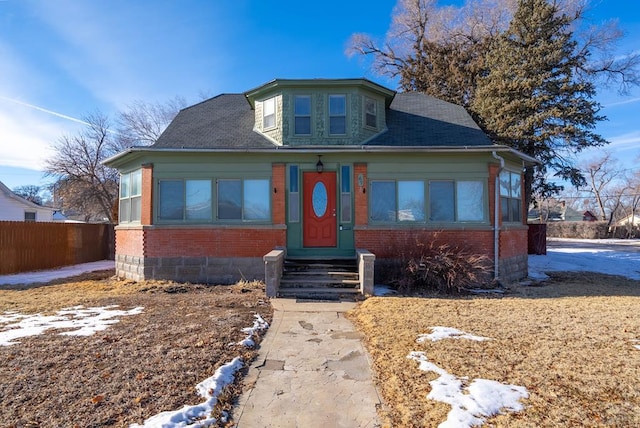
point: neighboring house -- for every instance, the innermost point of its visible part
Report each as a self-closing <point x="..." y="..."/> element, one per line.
<point x="320" y="167"/>
<point x="630" y="220"/>
<point x="17" y="208"/>
<point x="561" y="212"/>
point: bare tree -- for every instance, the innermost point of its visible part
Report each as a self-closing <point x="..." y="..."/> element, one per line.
<point x="30" y="192"/>
<point x="603" y="176"/>
<point x="83" y="183"/>
<point x="142" y="123"/>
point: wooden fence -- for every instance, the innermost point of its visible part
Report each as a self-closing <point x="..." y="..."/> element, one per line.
<point x="26" y="246"/>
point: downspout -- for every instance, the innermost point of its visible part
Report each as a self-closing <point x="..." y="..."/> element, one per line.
<point x="496" y="213"/>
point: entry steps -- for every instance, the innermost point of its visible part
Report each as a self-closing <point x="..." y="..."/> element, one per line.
<point x="332" y="279"/>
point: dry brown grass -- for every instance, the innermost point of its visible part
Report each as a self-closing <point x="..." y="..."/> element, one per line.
<point x="141" y="366"/>
<point x="569" y="342"/>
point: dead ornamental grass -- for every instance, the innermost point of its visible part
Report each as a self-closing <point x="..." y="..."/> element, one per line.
<point x="143" y="365"/>
<point x="569" y="342"/>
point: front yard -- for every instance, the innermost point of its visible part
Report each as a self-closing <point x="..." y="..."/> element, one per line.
<point x="573" y="344"/>
<point x="563" y="353"/>
<point x="173" y="337"/>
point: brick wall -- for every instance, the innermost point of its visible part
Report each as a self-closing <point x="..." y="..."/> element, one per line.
<point x="513" y="242"/>
<point x="129" y="241"/>
<point x="215" y="255"/>
<point x="387" y="243"/>
<point x="212" y="242"/>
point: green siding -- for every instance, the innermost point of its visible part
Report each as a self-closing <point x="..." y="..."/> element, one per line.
<point x="356" y="131"/>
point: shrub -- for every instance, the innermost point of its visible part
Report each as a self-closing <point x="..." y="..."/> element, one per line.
<point x="427" y="264"/>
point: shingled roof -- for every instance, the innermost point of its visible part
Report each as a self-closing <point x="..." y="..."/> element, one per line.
<point x="416" y="119"/>
<point x="225" y="121"/>
<point x="413" y="119"/>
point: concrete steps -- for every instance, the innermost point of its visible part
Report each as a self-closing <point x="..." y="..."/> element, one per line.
<point x="320" y="279"/>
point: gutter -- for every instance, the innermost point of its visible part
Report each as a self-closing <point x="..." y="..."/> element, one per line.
<point x="326" y="149"/>
<point x="496" y="223"/>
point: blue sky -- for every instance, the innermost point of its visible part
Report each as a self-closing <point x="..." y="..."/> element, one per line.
<point x="62" y="60"/>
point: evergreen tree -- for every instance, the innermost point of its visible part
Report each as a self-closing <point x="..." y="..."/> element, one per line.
<point x="531" y="99"/>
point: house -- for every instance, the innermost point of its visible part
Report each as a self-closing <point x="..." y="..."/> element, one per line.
<point x="321" y="168"/>
<point x="630" y="220"/>
<point x="17" y="208"/>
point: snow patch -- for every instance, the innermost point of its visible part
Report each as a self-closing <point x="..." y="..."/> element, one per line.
<point x="83" y="322"/>
<point x="441" y="333"/>
<point x="383" y="290"/>
<point x="638" y="344"/>
<point x="192" y="416"/>
<point x="198" y="416"/>
<point x="258" y="324"/>
<point x="472" y="404"/>
<point x="585" y="260"/>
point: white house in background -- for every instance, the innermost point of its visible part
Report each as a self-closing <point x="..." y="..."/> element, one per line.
<point x="17" y="208"/>
<point x="633" y="219"/>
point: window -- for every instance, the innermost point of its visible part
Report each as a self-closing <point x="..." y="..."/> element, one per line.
<point x="451" y="200"/>
<point x="30" y="216"/>
<point x="337" y="114"/>
<point x="345" y="194"/>
<point x="370" y="112"/>
<point x="198" y="199"/>
<point x="294" y="194"/>
<point x="393" y="201"/>
<point x="244" y="200"/>
<point x="184" y="200"/>
<point x="269" y="113"/>
<point x="130" y="197"/>
<point x="470" y="201"/>
<point x="302" y="115"/>
<point x="510" y="196"/>
<point x="441" y="202"/>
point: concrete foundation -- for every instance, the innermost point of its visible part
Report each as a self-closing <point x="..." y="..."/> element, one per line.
<point x="206" y="270"/>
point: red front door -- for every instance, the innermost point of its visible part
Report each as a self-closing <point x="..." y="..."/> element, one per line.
<point x="319" y="209"/>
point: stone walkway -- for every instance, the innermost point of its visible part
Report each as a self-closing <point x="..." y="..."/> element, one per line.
<point x="312" y="371"/>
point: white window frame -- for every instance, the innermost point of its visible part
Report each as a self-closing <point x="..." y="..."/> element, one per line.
<point x="273" y="105"/>
<point x="128" y="196"/>
<point x="374" y="102"/>
<point x="510" y="195"/>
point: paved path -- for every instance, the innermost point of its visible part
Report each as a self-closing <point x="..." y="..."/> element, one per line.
<point x="312" y="371"/>
<point x="42" y="276"/>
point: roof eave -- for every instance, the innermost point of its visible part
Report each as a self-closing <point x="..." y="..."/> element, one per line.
<point x="117" y="159"/>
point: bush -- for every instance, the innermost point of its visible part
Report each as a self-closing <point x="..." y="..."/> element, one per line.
<point x="428" y="265"/>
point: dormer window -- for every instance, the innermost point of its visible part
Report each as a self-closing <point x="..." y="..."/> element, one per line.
<point x="302" y="115"/>
<point x="370" y="112"/>
<point x="269" y="113"/>
<point x="337" y="114"/>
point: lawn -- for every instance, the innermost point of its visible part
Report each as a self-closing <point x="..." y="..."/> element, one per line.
<point x="572" y="343"/>
<point x="169" y="338"/>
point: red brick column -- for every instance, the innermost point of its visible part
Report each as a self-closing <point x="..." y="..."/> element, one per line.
<point x="146" y="216"/>
<point x="360" y="197"/>
<point x="278" y="198"/>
